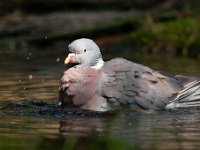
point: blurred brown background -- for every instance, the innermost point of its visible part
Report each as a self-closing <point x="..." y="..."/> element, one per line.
<point x="158" y="30"/>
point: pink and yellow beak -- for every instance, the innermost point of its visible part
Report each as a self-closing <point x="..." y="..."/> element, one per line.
<point x="70" y="58"/>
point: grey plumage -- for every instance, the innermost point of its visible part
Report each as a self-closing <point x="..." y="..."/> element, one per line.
<point x="120" y="83"/>
<point x="136" y="84"/>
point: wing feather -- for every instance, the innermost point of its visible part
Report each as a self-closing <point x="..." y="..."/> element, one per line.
<point x="131" y="83"/>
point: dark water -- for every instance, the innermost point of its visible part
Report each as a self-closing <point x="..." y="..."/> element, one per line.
<point x="32" y="77"/>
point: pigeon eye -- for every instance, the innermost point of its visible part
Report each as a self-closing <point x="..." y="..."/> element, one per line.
<point x="84" y="50"/>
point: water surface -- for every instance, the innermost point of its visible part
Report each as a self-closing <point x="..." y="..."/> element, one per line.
<point x="33" y="77"/>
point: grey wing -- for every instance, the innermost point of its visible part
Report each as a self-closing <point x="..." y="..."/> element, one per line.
<point x="135" y="85"/>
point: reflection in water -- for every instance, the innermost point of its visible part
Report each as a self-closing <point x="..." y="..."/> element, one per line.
<point x="164" y="130"/>
<point x="77" y="127"/>
<point x="161" y="131"/>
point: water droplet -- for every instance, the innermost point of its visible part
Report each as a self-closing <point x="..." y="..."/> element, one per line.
<point x="46" y="37"/>
<point x="58" y="59"/>
<point x="27" y="58"/>
<point x="30" y="77"/>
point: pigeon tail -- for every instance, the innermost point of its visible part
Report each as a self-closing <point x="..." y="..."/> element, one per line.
<point x="188" y="97"/>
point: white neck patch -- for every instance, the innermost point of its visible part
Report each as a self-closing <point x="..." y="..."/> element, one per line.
<point x="99" y="64"/>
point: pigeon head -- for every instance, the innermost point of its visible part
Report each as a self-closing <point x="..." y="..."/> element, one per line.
<point x="84" y="52"/>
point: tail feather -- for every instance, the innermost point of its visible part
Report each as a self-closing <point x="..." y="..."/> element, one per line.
<point x="189" y="85"/>
<point x="188" y="97"/>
